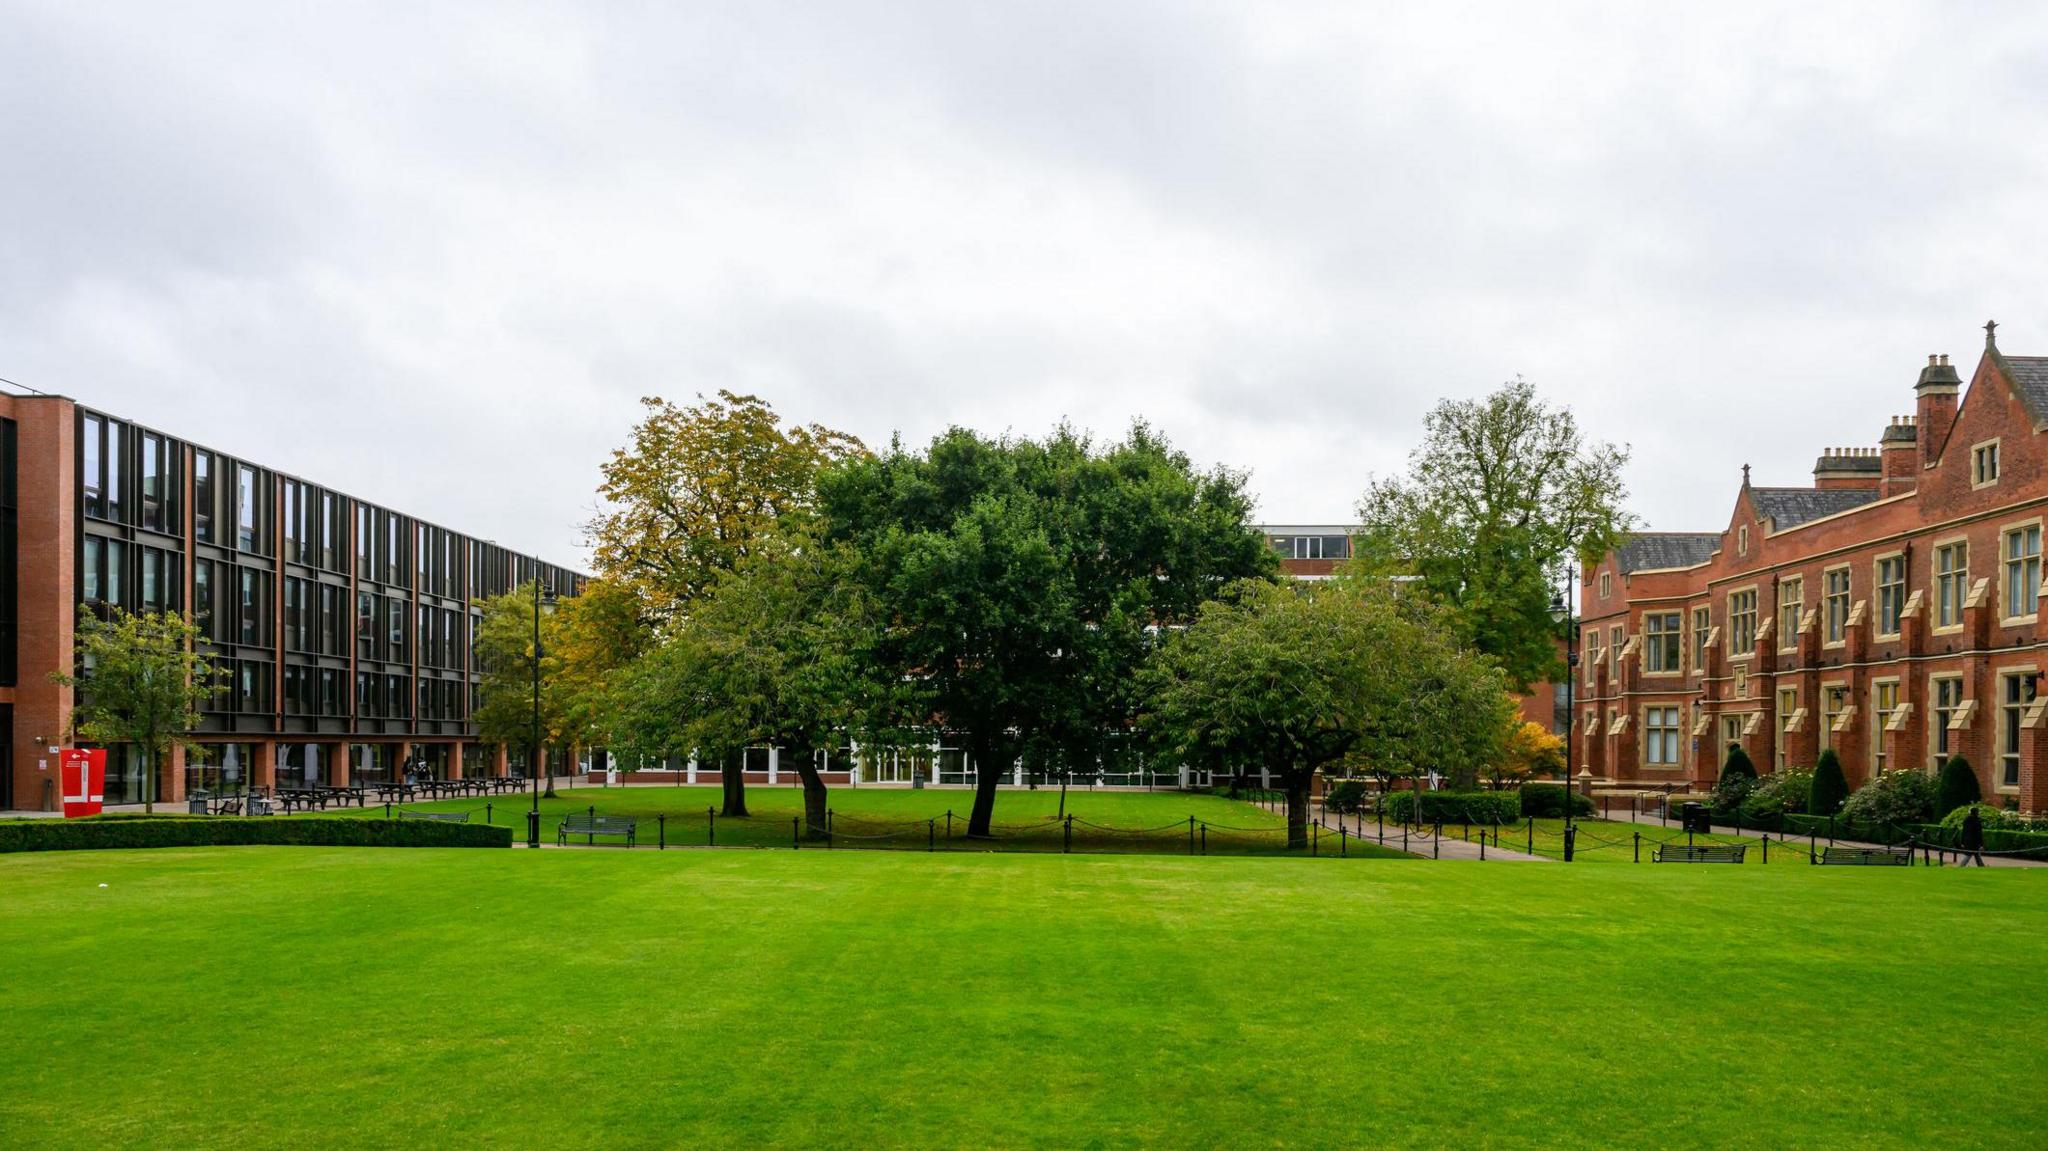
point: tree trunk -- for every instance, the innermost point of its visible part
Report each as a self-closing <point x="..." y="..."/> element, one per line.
<point x="149" y="774"/>
<point x="814" y="797"/>
<point x="1296" y="782"/>
<point x="988" y="772"/>
<point x="733" y="785"/>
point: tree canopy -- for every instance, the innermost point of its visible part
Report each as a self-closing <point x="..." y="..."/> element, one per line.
<point x="1305" y="678"/>
<point x="142" y="680"/>
<point x="696" y="488"/>
<point x="1021" y="579"/>
<point x="1501" y="494"/>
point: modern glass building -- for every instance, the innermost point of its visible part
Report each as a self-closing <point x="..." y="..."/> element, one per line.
<point x="346" y="628"/>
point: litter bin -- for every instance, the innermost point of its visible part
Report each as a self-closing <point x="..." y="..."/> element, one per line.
<point x="1693" y="817"/>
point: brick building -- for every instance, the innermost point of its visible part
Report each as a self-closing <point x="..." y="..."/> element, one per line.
<point x="345" y="627"/>
<point x="1889" y="610"/>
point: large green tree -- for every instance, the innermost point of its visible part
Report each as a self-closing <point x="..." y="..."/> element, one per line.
<point x="1305" y="678"/>
<point x="505" y="650"/>
<point x="695" y="490"/>
<point x="1020" y="581"/>
<point x="773" y="656"/>
<point x="1502" y="494"/>
<point x="143" y="680"/>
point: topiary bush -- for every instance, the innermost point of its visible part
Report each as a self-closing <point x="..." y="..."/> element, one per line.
<point x="1546" y="801"/>
<point x="1775" y="796"/>
<point x="1346" y="797"/>
<point x="1829" y="788"/>
<point x="1894" y="797"/>
<point x="1738" y="779"/>
<point x="1958" y="787"/>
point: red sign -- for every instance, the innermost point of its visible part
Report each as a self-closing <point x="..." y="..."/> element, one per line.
<point x="84" y="780"/>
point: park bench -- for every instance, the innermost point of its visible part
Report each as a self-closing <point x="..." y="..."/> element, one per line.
<point x="1867" y="856"/>
<point x="1699" y="853"/>
<point x="437" y="816"/>
<point x="591" y="826"/>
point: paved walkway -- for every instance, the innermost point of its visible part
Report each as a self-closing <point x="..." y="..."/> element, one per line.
<point x="1420" y="842"/>
<point x="1801" y="842"/>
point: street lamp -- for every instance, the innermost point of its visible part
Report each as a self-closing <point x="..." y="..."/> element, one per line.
<point x="1561" y="611"/>
<point x="533" y="762"/>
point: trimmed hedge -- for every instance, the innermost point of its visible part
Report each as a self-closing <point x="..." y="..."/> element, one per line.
<point x="98" y="833"/>
<point x="1345" y="797"/>
<point x="1485" y="807"/>
<point x="1546" y="801"/>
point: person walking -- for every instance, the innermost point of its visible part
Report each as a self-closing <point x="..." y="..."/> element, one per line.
<point x="1973" y="838"/>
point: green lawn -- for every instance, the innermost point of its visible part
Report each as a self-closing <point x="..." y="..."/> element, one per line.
<point x="362" y="997"/>
<point x="901" y="818"/>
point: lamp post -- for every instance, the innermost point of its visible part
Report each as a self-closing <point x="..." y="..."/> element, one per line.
<point x="533" y="753"/>
<point x="1561" y="611"/>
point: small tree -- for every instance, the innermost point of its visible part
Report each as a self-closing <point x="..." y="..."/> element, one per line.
<point x="1830" y="786"/>
<point x="1958" y="786"/>
<point x="1532" y="750"/>
<point x="141" y="680"/>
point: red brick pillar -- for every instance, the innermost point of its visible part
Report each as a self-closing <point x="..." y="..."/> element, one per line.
<point x="263" y="773"/>
<point x="455" y="760"/>
<point x="337" y="765"/>
<point x="170" y="786"/>
<point x="501" y="762"/>
<point x="2033" y="795"/>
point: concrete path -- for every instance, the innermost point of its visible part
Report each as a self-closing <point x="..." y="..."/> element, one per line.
<point x="1420" y="842"/>
<point x="1802" y="843"/>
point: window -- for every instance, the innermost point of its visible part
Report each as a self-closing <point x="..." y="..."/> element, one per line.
<point x="363" y="542"/>
<point x="245" y="508"/>
<point x="202" y="597"/>
<point x="253" y="586"/>
<point x="1702" y="627"/>
<point x="1884" y="700"/>
<point x="1951" y="583"/>
<point x="1742" y="540"/>
<point x="1984" y="464"/>
<point x="92" y="468"/>
<point x="1660" y="642"/>
<point x="333" y="622"/>
<point x="117" y="451"/>
<point x="156" y="484"/>
<point x="1788" y="706"/>
<point x="2016" y="691"/>
<point x="202" y="496"/>
<point x="1835" y="600"/>
<point x="366" y="625"/>
<point x="1660" y="736"/>
<point x="1606" y="584"/>
<point x="2022" y="571"/>
<point x="298" y="615"/>
<point x="1948" y="699"/>
<point x="1791" y="602"/>
<point x="1592" y="655"/>
<point x="1741" y="623"/>
<point x="329" y="526"/>
<point x="1617" y="638"/>
<point x="1833" y="702"/>
<point x="157" y="571"/>
<point x="94" y="587"/>
<point x="1891" y="593"/>
<point x="294" y="531"/>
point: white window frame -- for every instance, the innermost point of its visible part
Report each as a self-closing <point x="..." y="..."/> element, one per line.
<point x="1749" y="649"/>
<point x="1955" y="582"/>
<point x="1788" y="630"/>
<point x="1667" y="643"/>
<point x="1879" y="716"/>
<point x="1828" y="599"/>
<point x="1981" y="453"/>
<point x="1938" y="717"/>
<point x="2007" y="562"/>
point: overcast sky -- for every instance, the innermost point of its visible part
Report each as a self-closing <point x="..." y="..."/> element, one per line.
<point x="435" y="252"/>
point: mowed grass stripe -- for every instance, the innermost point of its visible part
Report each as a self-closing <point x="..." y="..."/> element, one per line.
<point x="331" y="997"/>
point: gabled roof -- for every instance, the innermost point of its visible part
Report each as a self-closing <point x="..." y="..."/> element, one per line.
<point x="2030" y="379"/>
<point x="1646" y="551"/>
<point x="1790" y="507"/>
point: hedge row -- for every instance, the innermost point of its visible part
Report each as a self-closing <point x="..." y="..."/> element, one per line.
<point x="1482" y="807"/>
<point x="1995" y="839"/>
<point x="96" y="833"/>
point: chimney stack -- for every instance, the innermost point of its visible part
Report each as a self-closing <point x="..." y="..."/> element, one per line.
<point x="1936" y="391"/>
<point x="1901" y="461"/>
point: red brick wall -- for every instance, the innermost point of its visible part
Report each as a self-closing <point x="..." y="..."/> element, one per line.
<point x="46" y="573"/>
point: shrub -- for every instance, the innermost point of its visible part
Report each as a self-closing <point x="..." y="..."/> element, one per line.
<point x="1485" y="807"/>
<point x="1774" y="797"/>
<point x="173" y="831"/>
<point x="1738" y="764"/>
<point x="1895" y="797"/>
<point x="1346" y="797"/>
<point x="1990" y="817"/>
<point x="1829" y="788"/>
<point x="1958" y="787"/>
<point x="1546" y="801"/>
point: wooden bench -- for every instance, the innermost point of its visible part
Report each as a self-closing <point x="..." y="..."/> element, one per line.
<point x="437" y="816"/>
<point x="1867" y="856"/>
<point x="592" y="826"/>
<point x="1699" y="853"/>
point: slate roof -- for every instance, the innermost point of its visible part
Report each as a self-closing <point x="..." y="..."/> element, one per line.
<point x="2030" y="378"/>
<point x="1790" y="507"/>
<point x="1645" y="551"/>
